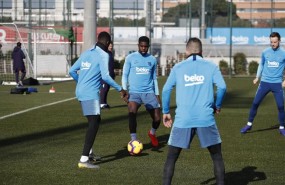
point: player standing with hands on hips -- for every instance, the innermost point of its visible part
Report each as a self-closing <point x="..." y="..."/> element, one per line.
<point x="194" y="79"/>
<point x="139" y="78"/>
<point x="270" y="70"/>
<point x="87" y="72"/>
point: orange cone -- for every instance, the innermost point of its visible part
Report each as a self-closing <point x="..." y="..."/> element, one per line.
<point x="52" y="90"/>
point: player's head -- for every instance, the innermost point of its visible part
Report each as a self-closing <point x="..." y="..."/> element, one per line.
<point x="110" y="47"/>
<point x="194" y="46"/>
<point x="104" y="38"/>
<point x="19" y="44"/>
<point x="275" y="40"/>
<point x="143" y="45"/>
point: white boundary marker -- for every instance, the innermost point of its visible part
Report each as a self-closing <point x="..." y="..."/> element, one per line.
<point x="38" y="107"/>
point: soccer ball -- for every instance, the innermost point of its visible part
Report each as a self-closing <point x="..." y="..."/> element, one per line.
<point x="135" y="147"/>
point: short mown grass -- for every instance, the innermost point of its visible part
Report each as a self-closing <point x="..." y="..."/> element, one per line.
<point x="43" y="145"/>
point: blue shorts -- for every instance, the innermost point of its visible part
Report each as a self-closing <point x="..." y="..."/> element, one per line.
<point x="90" y="107"/>
<point x="148" y="99"/>
<point x="182" y="137"/>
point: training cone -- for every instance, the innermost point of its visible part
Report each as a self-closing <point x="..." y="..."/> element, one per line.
<point x="52" y="90"/>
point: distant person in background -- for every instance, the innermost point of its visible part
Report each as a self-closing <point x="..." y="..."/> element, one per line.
<point x="1" y="58"/>
<point x="105" y="86"/>
<point x="18" y="57"/>
<point x="1" y="53"/>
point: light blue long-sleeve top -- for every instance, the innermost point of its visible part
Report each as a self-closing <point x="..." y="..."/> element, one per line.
<point x="88" y="70"/>
<point x="194" y="80"/>
<point x="271" y="65"/>
<point x="139" y="74"/>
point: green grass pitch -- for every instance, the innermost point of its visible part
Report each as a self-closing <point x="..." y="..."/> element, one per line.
<point x="43" y="144"/>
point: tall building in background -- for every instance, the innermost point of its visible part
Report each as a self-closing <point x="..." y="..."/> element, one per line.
<point x="260" y="10"/>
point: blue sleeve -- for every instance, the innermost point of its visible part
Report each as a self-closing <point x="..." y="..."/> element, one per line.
<point x="221" y="87"/>
<point x="260" y="67"/>
<point x="126" y="71"/>
<point x="156" y="89"/>
<point x="73" y="70"/>
<point x="166" y="92"/>
<point x="104" y="68"/>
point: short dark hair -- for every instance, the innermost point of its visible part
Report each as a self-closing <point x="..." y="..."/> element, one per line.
<point x="144" y="39"/>
<point x="194" y="45"/>
<point x="275" y="34"/>
<point x="104" y="38"/>
<point x="0" y="45"/>
<point x="19" y="44"/>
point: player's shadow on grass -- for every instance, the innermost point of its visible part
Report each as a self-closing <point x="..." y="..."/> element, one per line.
<point x="243" y="177"/>
<point x="124" y="152"/>
<point x="264" y="129"/>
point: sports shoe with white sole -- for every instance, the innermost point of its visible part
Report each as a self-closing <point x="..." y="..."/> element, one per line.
<point x="282" y="132"/>
<point x="245" y="129"/>
<point x="87" y="164"/>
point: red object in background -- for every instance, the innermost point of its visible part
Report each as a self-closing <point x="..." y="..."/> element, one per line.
<point x="9" y="34"/>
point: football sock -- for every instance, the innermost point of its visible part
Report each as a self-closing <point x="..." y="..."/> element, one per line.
<point x="155" y="124"/>
<point x="281" y="127"/>
<point x="133" y="136"/>
<point x="249" y="123"/>
<point x="93" y="126"/>
<point x="219" y="167"/>
<point x="152" y="131"/>
<point x="83" y="159"/>
<point x="132" y="122"/>
<point x="172" y="156"/>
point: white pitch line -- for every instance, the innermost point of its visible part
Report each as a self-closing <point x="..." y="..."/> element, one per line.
<point x="38" y="107"/>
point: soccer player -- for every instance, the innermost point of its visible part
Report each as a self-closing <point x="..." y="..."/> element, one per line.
<point x="105" y="86"/>
<point x="18" y="57"/>
<point x="139" y="78"/>
<point x="270" y="70"/>
<point x="194" y="79"/>
<point x="87" y="72"/>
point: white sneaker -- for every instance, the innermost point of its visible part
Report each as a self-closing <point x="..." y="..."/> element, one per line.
<point x="87" y="164"/>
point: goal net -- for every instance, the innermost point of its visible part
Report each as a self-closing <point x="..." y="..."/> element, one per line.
<point x="47" y="52"/>
<point x="10" y="34"/>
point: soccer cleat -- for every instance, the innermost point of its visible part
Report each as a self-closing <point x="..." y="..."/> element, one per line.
<point x="93" y="158"/>
<point x="245" y="129"/>
<point x="153" y="139"/>
<point x="87" y="164"/>
<point x="105" y="106"/>
<point x="282" y="132"/>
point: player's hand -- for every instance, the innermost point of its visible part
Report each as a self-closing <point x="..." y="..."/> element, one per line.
<point x="283" y="84"/>
<point x="217" y="111"/>
<point x="167" y="120"/>
<point x="124" y="95"/>
<point x="255" y="81"/>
